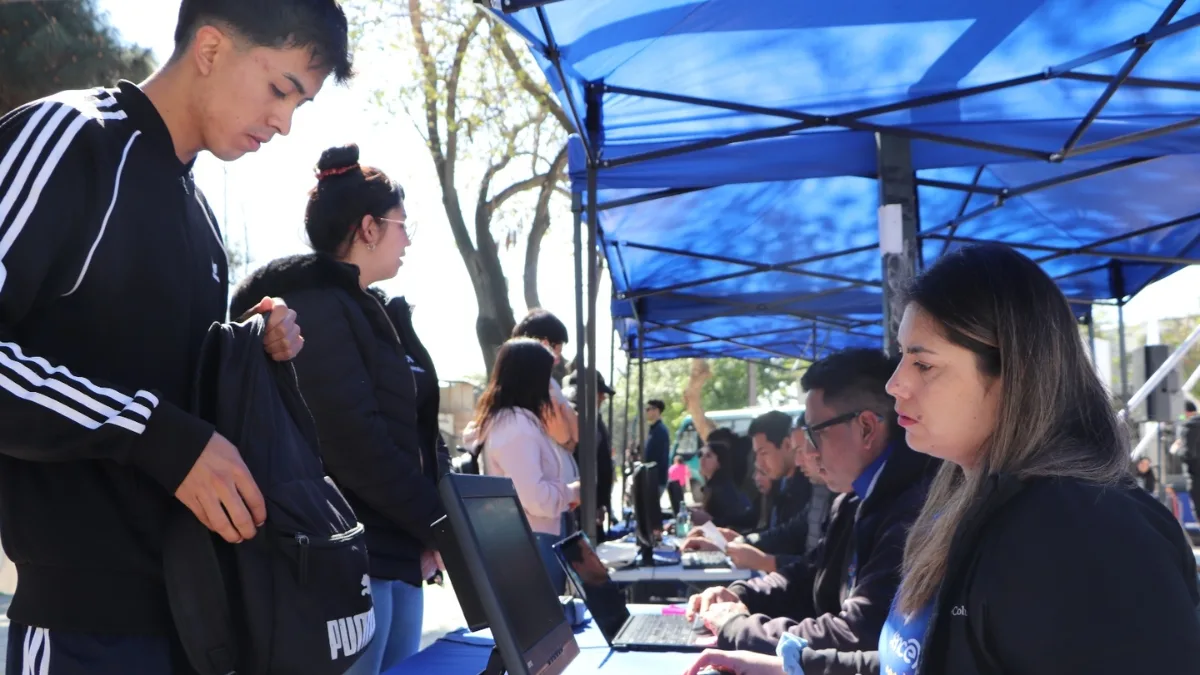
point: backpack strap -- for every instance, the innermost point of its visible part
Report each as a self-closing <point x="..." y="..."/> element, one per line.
<point x="195" y="593"/>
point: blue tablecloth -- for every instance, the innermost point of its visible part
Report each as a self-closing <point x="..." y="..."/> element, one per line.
<point x="462" y="653"/>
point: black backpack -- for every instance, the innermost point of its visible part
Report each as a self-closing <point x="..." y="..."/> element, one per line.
<point x="295" y="598"/>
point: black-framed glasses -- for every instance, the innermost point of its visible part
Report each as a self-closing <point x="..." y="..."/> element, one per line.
<point x="812" y="433"/>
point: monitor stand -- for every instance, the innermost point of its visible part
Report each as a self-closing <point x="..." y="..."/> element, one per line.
<point x="495" y="664"/>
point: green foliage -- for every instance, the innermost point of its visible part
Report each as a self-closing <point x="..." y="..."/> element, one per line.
<point x="46" y="47"/>
<point x="728" y="389"/>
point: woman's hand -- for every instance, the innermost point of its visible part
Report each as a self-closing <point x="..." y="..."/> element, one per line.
<point x="737" y="663"/>
<point x="574" y="490"/>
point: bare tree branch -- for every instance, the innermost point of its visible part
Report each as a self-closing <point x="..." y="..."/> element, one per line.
<point x="541" y="224"/>
<point x="539" y="93"/>
<point x="430" y="81"/>
<point x="460" y="52"/>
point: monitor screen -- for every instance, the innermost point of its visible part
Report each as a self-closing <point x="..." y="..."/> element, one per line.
<point x="516" y="570"/>
<point x="604" y="599"/>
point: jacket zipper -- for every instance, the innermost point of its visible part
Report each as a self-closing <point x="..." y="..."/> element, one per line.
<point x="388" y="321"/>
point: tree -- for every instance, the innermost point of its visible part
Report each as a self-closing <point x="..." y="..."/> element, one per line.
<point x="778" y="383"/>
<point x="49" y="46"/>
<point x="478" y="108"/>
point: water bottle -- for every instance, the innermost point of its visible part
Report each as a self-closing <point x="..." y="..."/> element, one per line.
<point x="683" y="521"/>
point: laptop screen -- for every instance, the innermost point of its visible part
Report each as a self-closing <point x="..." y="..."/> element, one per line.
<point x="603" y="598"/>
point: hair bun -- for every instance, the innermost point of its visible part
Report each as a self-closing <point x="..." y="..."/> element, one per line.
<point x="337" y="160"/>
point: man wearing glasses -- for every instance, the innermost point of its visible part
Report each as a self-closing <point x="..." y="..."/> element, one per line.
<point x="838" y="595"/>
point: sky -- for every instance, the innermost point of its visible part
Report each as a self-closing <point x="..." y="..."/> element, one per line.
<point x="260" y="199"/>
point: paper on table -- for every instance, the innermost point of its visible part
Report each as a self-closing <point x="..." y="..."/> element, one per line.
<point x="714" y="535"/>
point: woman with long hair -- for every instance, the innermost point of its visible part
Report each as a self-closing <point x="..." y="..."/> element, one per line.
<point x="511" y="440"/>
<point x="369" y="384"/>
<point x="723" y="500"/>
<point x="1036" y="553"/>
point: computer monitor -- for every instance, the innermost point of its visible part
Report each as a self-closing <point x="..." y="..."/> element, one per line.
<point x="498" y="571"/>
<point x="647" y="512"/>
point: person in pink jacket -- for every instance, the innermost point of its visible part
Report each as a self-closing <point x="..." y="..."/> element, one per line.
<point x="510" y="429"/>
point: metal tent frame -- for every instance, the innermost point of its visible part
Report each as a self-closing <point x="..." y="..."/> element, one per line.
<point x="897" y="181"/>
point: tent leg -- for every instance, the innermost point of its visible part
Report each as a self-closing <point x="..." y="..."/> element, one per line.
<point x="1123" y="358"/>
<point x="899" y="223"/>
<point x="641" y="393"/>
<point x="625" y="454"/>
<point x="587" y="435"/>
<point x="1091" y="323"/>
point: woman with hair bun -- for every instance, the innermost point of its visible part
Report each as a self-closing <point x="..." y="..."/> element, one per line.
<point x="369" y="383"/>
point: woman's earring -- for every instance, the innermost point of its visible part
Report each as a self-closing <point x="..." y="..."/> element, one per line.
<point x="370" y="247"/>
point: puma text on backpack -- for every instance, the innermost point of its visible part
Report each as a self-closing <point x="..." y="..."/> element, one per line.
<point x="296" y="598"/>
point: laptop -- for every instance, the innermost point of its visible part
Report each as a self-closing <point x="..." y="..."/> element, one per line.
<point x="606" y="602"/>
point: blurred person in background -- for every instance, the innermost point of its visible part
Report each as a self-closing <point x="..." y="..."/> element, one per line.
<point x="509" y="435"/>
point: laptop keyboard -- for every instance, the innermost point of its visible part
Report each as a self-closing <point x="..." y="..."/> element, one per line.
<point x="657" y="629"/>
<point x="704" y="559"/>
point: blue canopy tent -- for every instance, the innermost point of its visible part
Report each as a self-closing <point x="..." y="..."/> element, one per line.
<point x="694" y="99"/>
<point x="814" y="280"/>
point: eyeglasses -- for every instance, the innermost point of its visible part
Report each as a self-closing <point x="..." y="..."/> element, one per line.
<point x="813" y="432"/>
<point x="410" y="226"/>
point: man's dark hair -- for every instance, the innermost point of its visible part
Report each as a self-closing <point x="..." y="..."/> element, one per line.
<point x="854" y="379"/>
<point x="775" y="425"/>
<point x="542" y="325"/>
<point x="655" y="403"/>
<point x="1189" y="406"/>
<point x="317" y="25"/>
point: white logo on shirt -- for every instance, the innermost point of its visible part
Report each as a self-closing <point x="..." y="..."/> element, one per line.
<point x="959" y="610"/>
<point x="366" y="584"/>
<point x="908" y="650"/>
<point x="216" y="275"/>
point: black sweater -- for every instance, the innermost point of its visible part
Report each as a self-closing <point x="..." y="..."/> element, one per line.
<point x="1053" y="576"/>
<point x="355" y="376"/>
<point x="111" y="272"/>
<point x="816" y="598"/>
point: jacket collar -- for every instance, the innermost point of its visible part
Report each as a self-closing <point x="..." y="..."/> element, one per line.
<point x="904" y="469"/>
<point x="149" y="121"/>
<point x="291" y="274"/>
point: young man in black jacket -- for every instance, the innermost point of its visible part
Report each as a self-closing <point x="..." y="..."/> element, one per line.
<point x="838" y="595"/>
<point x="111" y="271"/>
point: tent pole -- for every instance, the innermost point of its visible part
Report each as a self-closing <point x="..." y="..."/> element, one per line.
<point x="587" y="380"/>
<point x="641" y="394"/>
<point x="625" y="431"/>
<point x="1121" y="348"/>
<point x="1091" y="323"/>
<point x="612" y="375"/>
<point x="899" y="223"/>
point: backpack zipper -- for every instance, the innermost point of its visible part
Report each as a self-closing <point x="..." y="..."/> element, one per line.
<point x="304" y="543"/>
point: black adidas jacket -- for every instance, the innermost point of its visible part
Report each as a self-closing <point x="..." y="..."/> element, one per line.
<point x="357" y="382"/>
<point x="111" y="271"/>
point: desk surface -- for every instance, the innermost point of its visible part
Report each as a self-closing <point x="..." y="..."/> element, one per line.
<point x="462" y="653"/>
<point x="617" y="554"/>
